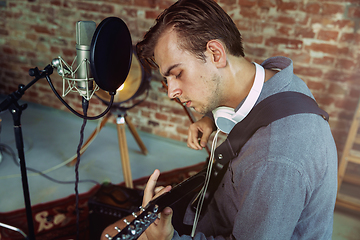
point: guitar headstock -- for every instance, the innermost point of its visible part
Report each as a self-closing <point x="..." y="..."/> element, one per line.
<point x="140" y="222"/>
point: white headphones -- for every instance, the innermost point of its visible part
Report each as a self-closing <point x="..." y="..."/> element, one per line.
<point x="226" y="118"/>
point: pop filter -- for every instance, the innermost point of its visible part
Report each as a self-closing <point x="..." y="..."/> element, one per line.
<point x="111" y="54"/>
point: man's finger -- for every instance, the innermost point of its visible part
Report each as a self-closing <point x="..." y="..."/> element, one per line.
<point x="162" y="191"/>
<point x="165" y="221"/>
<point x="205" y="137"/>
<point x="193" y="137"/>
<point x="150" y="187"/>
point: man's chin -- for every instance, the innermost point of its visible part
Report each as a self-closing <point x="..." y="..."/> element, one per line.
<point x="199" y="110"/>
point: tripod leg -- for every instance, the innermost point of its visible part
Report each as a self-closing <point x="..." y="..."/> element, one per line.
<point x="136" y="135"/>
<point x="120" y="124"/>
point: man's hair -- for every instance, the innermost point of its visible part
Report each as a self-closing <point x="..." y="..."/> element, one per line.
<point x="195" y="22"/>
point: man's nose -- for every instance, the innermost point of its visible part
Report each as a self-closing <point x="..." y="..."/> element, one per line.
<point x="174" y="89"/>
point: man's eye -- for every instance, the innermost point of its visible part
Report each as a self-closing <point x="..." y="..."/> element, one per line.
<point x="179" y="75"/>
<point x="165" y="81"/>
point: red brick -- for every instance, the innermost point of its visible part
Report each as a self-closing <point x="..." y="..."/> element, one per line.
<point x="55" y="50"/>
<point x="249" y="12"/>
<point x="347" y="37"/>
<point x="182" y="130"/>
<point x="285" y="19"/>
<point x="323" y="47"/>
<point x="167" y="3"/>
<point x="347" y="104"/>
<point x="308" y="71"/>
<point x="8" y="50"/>
<point x="4" y="32"/>
<point x="31" y="36"/>
<point x="327" y="61"/>
<point x="228" y="2"/>
<point x="176" y="120"/>
<point x="131" y="12"/>
<point x="304" y="32"/>
<point x="265" y="4"/>
<point x="145" y="114"/>
<point x="285" y="30"/>
<point x="325" y="100"/>
<point x="330" y="9"/>
<point x="286" y="6"/>
<point x="301" y="57"/>
<point x="149" y="105"/>
<point x="346" y="52"/>
<point x="336" y="88"/>
<point x="330" y="22"/>
<point x="250" y="38"/>
<point x="354" y="92"/>
<point x="56" y="2"/>
<point x="42" y="29"/>
<point x="248" y="3"/>
<point x="31" y="55"/>
<point x="120" y="2"/>
<point x="68" y="52"/>
<point x="103" y="8"/>
<point x="152" y="14"/>
<point x="145" y="3"/>
<point x="334" y="75"/>
<point x="315" y="85"/>
<point x="289" y="43"/>
<point x="328" y="35"/>
<point x="354" y="12"/>
<point x="255" y="51"/>
<point x="312" y="8"/>
<point x="346" y="64"/>
<point x="161" y="116"/>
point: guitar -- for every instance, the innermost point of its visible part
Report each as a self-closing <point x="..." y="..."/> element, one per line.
<point x="147" y="215"/>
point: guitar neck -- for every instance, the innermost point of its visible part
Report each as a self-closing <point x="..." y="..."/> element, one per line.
<point x="134" y="229"/>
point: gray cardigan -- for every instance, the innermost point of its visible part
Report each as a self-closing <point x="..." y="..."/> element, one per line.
<point x="283" y="184"/>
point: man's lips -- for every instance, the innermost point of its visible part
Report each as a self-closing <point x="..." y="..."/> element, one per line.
<point x="187" y="103"/>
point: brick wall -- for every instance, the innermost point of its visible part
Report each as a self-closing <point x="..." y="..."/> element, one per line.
<point x="322" y="37"/>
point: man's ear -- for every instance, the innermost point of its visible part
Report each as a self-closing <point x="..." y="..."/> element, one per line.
<point x="217" y="53"/>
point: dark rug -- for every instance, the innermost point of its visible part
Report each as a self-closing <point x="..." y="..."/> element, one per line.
<point x="57" y="219"/>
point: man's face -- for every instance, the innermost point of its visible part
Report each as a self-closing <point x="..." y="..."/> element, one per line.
<point x="195" y="82"/>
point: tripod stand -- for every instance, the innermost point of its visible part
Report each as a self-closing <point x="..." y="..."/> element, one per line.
<point x="121" y="120"/>
<point x="11" y="104"/>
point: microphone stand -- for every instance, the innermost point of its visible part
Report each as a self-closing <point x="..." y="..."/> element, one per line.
<point x="11" y="103"/>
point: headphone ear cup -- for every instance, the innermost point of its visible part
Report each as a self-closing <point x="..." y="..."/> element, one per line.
<point x="223" y="117"/>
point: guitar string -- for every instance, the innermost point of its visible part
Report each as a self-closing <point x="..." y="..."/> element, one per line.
<point x="206" y="184"/>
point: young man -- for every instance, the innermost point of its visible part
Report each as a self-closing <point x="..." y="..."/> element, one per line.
<point x="282" y="185"/>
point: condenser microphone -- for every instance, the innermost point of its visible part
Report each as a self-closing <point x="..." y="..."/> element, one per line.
<point x="103" y="60"/>
<point x="78" y="76"/>
<point x="84" y="34"/>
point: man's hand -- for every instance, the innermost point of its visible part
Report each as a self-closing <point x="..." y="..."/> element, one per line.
<point x="201" y="129"/>
<point x="162" y="228"/>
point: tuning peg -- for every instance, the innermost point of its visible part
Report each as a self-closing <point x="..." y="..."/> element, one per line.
<point x="134" y="215"/>
<point x="117" y="229"/>
<point x="108" y="236"/>
<point x="126" y="221"/>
